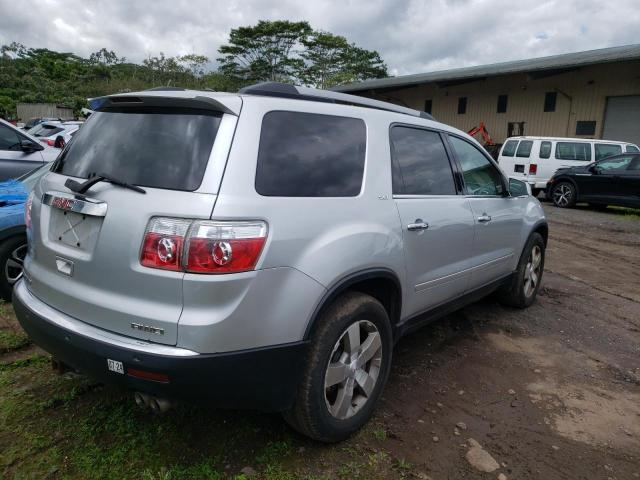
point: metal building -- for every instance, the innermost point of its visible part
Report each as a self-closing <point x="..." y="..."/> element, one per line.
<point x="27" y="111"/>
<point x="592" y="94"/>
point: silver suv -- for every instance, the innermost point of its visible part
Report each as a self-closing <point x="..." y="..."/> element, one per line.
<point x="266" y="249"/>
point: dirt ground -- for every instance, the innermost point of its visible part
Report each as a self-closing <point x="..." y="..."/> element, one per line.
<point x="551" y="392"/>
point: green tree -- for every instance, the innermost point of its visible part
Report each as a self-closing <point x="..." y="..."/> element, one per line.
<point x="266" y="51"/>
<point x="330" y="59"/>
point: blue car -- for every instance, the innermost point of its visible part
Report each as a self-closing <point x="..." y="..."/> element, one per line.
<point x="13" y="237"/>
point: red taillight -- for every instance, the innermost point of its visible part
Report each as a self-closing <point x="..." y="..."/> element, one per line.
<point x="163" y="241"/>
<point x="533" y="169"/>
<point x="49" y="142"/>
<point x="145" y="375"/>
<point x="211" y="246"/>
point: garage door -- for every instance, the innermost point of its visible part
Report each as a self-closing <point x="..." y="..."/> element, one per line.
<point x="622" y="119"/>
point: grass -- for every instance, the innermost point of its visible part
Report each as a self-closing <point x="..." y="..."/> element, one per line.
<point x="70" y="427"/>
<point x="629" y="213"/>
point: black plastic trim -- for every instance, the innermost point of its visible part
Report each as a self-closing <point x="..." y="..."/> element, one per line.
<point x="14" y="231"/>
<point x="343" y="285"/>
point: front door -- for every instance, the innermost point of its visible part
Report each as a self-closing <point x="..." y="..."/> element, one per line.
<point x="14" y="162"/>
<point x="498" y="217"/>
<point x="605" y="181"/>
<point x="436" y="219"/>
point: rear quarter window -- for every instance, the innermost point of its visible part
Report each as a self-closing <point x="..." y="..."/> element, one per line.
<point x="573" y="151"/>
<point x="509" y="148"/>
<point x="310" y="155"/>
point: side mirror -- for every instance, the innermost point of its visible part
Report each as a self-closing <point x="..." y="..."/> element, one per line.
<point x="595" y="169"/>
<point x="27" y="146"/>
<point x="518" y="188"/>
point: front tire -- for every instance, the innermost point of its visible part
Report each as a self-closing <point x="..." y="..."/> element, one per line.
<point x="12" y="253"/>
<point x="347" y="368"/>
<point x="523" y="288"/>
<point x="564" y="195"/>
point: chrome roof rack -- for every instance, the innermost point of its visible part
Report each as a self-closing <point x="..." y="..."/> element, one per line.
<point x="285" y="90"/>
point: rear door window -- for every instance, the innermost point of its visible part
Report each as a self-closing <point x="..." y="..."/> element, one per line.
<point x="509" y="148"/>
<point x="573" y="151"/>
<point x="310" y="155"/>
<point x="545" y="149"/>
<point x="604" y="150"/>
<point x="420" y="163"/>
<point x="524" y="149"/>
<point x="151" y="147"/>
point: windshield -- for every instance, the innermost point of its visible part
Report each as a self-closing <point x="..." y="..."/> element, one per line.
<point x="150" y="147"/>
<point x="45" y="130"/>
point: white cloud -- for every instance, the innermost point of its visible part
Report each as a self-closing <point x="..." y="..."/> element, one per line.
<point x="412" y="36"/>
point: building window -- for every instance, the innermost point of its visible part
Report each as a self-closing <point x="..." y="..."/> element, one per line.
<point x="502" y="103"/>
<point x="428" y="105"/>
<point x="586" y="127"/>
<point x="550" y="101"/>
<point x="462" y="105"/>
<point x="515" y="129"/>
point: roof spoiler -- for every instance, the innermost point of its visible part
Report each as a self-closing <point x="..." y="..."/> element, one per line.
<point x="154" y="98"/>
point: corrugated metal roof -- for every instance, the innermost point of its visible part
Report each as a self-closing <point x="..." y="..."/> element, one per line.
<point x="554" y="62"/>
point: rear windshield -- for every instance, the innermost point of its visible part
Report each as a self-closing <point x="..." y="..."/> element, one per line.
<point x="43" y="130"/>
<point x="150" y="147"/>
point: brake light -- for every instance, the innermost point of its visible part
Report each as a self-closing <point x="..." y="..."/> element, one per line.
<point x="224" y="247"/>
<point x="49" y="142"/>
<point x="203" y="246"/>
<point x="533" y="169"/>
<point x="163" y="241"/>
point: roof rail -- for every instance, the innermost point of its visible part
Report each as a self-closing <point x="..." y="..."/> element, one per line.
<point x="165" y="89"/>
<point x="285" y="90"/>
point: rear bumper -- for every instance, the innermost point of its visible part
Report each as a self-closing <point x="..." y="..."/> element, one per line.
<point x="263" y="379"/>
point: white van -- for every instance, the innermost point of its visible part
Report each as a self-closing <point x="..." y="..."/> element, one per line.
<point x="535" y="159"/>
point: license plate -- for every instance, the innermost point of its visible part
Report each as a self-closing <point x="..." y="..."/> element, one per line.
<point x="115" y="366"/>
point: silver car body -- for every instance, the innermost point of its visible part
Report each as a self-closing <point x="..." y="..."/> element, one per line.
<point x="100" y="289"/>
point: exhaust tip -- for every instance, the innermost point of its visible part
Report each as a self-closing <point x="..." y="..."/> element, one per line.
<point x="159" y="405"/>
<point x="141" y="399"/>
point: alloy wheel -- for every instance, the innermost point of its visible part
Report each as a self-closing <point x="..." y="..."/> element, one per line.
<point x="14" y="266"/>
<point x="532" y="271"/>
<point x="353" y="369"/>
<point x="563" y="195"/>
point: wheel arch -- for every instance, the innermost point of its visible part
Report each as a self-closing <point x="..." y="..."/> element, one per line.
<point x="541" y="227"/>
<point x="381" y="283"/>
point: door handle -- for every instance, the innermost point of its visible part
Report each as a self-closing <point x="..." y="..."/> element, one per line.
<point x="484" y="218"/>
<point x="419" y="224"/>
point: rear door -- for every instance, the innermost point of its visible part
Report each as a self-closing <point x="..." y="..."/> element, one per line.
<point x="509" y="163"/>
<point x="436" y="220"/>
<point x="498" y="217"/>
<point x="85" y="254"/>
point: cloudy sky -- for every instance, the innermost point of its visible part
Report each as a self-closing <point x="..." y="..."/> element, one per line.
<point x="412" y="36"/>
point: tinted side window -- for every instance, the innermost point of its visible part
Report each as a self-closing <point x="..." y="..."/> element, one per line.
<point x="618" y="163"/>
<point x="545" y="150"/>
<point x="420" y="163"/>
<point x="509" y="148"/>
<point x="573" y="151"/>
<point x="9" y="140"/>
<point x="632" y="148"/>
<point x="524" y="149"/>
<point x="310" y="155"/>
<point x="604" y="150"/>
<point x="481" y="177"/>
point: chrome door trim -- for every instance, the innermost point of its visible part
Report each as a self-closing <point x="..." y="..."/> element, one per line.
<point x="75" y="203"/>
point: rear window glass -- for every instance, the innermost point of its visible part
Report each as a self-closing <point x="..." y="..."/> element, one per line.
<point x="509" y="148"/>
<point x="573" y="151"/>
<point x="524" y="149"/>
<point x="45" y="130"/>
<point x="545" y="150"/>
<point x="150" y="147"/>
<point x="604" y="150"/>
<point x="310" y="155"/>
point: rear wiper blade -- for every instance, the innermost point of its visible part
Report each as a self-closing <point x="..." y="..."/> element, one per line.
<point x="100" y="177"/>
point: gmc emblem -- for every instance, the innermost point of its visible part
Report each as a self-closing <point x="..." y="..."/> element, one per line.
<point x="63" y="203"/>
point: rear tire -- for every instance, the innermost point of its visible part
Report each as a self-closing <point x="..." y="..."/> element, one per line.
<point x="564" y="195"/>
<point x="521" y="291"/>
<point x="12" y="253"/>
<point x="347" y="368"/>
